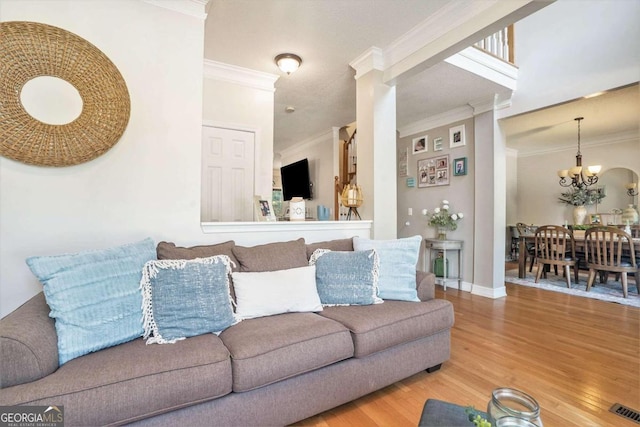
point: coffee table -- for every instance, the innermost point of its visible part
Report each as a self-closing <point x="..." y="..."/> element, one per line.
<point x="437" y="413"/>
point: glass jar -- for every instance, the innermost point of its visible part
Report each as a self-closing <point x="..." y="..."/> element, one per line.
<point x="509" y="402"/>
<point x="513" y="422"/>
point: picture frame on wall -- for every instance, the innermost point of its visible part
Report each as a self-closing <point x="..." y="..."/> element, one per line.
<point x="403" y="162"/>
<point x="437" y="144"/>
<point x="433" y="171"/>
<point x="420" y="144"/>
<point x="460" y="166"/>
<point x="456" y="137"/>
<point x="264" y="209"/>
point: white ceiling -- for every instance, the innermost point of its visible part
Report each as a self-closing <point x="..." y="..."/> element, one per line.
<point x="611" y="116"/>
<point x="330" y="34"/>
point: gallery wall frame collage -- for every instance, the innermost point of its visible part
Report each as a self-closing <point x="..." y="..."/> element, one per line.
<point x="436" y="170"/>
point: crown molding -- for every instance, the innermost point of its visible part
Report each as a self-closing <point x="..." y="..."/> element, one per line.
<point x="614" y="138"/>
<point x="241" y="76"/>
<point x="446" y="118"/>
<point x="483" y="105"/>
<point x="449" y="16"/>
<point x="195" y="8"/>
<point x="371" y="59"/>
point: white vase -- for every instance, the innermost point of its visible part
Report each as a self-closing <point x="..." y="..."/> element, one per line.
<point x="630" y="215"/>
<point x="579" y="214"/>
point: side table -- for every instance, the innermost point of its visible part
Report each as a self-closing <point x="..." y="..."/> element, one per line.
<point x="444" y="246"/>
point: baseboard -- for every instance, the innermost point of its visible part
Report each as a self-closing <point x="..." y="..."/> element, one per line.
<point x="493" y="293"/>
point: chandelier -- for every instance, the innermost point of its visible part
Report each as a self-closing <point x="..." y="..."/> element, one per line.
<point x="577" y="176"/>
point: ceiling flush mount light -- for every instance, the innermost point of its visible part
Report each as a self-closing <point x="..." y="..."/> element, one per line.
<point x="288" y="62"/>
<point x="577" y="176"/>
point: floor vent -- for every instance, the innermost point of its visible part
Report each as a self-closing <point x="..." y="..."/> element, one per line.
<point x="625" y="412"/>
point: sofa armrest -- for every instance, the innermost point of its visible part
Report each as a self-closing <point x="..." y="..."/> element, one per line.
<point x="28" y="343"/>
<point x="426" y="285"/>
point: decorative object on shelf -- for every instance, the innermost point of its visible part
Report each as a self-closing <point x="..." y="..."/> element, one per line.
<point x="264" y="209"/>
<point x="30" y="50"/>
<point x="632" y="189"/>
<point x="352" y="198"/>
<point x="297" y="209"/>
<point x="580" y="177"/>
<point x="442" y="220"/>
<point x="579" y="198"/>
<point x="433" y="171"/>
<point x="420" y="144"/>
<point x="579" y="214"/>
<point x="510" y="403"/>
<point x="629" y="215"/>
<point x="460" y="166"/>
<point x="456" y="136"/>
<point x="288" y="62"/>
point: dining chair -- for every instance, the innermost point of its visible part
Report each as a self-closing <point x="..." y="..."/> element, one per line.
<point x="524" y="229"/>
<point x="556" y="246"/>
<point x="606" y="252"/>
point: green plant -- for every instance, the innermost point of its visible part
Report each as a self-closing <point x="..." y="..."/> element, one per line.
<point x="475" y="418"/>
<point x="440" y="217"/>
<point x="581" y="197"/>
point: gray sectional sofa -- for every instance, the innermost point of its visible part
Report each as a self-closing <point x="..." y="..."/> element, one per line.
<point x="273" y="370"/>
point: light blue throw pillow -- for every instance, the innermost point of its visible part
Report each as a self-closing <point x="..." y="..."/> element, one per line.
<point x="346" y="278"/>
<point x="398" y="260"/>
<point x="94" y="296"/>
<point x="185" y="298"/>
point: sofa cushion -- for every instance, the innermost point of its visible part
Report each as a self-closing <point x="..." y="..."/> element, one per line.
<point x="377" y="327"/>
<point x="346" y="278"/>
<point x="131" y="381"/>
<point x="28" y="343"/>
<point x="343" y="245"/>
<point x="272" y="256"/>
<point x="94" y="296"/>
<point x="266" y="293"/>
<point x="168" y="250"/>
<point x="273" y="348"/>
<point x="183" y="298"/>
<point x="398" y="261"/>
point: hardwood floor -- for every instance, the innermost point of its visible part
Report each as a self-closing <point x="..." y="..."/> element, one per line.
<point x="576" y="356"/>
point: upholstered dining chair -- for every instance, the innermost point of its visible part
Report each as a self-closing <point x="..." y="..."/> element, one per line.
<point x="524" y="229"/>
<point x="556" y="246"/>
<point x="606" y="252"/>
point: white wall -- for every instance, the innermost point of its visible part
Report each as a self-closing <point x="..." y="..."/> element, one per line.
<point x="148" y="184"/>
<point x="245" y="108"/>
<point x="574" y="48"/>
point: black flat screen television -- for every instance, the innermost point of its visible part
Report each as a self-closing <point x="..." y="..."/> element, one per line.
<point x="295" y="180"/>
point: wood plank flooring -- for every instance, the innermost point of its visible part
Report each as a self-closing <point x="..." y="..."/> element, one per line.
<point x="576" y="356"/>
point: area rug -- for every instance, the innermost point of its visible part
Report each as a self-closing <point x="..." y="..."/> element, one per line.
<point x="611" y="291"/>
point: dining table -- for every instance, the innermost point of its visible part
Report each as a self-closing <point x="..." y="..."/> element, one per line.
<point x="578" y="236"/>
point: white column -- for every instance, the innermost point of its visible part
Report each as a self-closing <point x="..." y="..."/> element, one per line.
<point x="376" y="124"/>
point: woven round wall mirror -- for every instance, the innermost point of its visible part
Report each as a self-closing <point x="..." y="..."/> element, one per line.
<point x="29" y="50"/>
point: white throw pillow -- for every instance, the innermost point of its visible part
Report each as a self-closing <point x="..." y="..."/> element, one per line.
<point x="267" y="293"/>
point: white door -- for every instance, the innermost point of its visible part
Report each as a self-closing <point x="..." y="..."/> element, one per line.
<point x="227" y="175"/>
